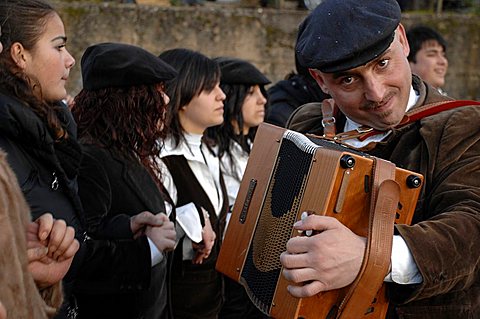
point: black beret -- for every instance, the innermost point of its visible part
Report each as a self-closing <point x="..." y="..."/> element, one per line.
<point x="343" y="34"/>
<point x="122" y="65"/>
<point x="237" y="71"/>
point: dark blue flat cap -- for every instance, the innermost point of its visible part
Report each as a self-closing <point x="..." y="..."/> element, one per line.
<point x="238" y="71"/>
<point x="108" y="65"/>
<point x="343" y="34"/>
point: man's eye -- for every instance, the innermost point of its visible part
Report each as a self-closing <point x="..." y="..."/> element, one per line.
<point x="347" y="80"/>
<point x="383" y="63"/>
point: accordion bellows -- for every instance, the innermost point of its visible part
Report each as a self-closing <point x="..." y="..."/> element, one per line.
<point x="289" y="173"/>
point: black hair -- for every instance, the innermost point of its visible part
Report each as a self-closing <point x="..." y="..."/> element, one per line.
<point x="196" y="73"/>
<point x="223" y="134"/>
<point x="418" y="35"/>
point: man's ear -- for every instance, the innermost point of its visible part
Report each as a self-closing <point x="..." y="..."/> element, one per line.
<point x="18" y="52"/>
<point x="402" y="38"/>
<point x="318" y="78"/>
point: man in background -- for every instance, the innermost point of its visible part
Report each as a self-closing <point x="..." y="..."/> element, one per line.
<point x="427" y="56"/>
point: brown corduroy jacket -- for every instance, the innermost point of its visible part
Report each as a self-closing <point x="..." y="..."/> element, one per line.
<point x="445" y="235"/>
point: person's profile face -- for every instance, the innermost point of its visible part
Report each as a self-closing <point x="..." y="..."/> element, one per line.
<point x="203" y="111"/>
<point x="431" y="63"/>
<point x="48" y="62"/>
<point x="253" y="108"/>
<point x="375" y="94"/>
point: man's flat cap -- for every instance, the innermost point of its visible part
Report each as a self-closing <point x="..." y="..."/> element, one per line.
<point x="108" y="65"/>
<point x="237" y="71"/>
<point x="343" y="34"/>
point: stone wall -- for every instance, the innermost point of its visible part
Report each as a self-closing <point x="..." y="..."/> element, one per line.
<point x="266" y="37"/>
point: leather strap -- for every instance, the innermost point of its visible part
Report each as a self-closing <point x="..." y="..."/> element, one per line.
<point x="364" y="132"/>
<point x="376" y="263"/>
<point x="328" y="118"/>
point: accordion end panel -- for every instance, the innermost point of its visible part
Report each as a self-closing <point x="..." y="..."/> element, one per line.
<point x="243" y="221"/>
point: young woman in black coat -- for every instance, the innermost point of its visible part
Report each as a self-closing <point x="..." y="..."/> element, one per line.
<point x="120" y="114"/>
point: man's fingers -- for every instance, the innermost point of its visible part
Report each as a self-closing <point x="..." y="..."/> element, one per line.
<point x="300" y="275"/>
<point x="45" y="223"/>
<point x="298" y="245"/>
<point x="292" y="260"/>
<point x="307" y="290"/>
<point x="316" y="222"/>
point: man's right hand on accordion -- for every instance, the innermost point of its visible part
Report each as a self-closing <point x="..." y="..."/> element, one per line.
<point x="329" y="259"/>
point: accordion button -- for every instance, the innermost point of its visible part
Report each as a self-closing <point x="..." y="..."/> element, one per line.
<point x="347" y="161"/>
<point x="413" y="181"/>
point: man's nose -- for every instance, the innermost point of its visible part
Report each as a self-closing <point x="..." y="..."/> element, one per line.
<point x="374" y="89"/>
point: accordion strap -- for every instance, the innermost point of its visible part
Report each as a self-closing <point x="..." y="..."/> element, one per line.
<point x="364" y="132"/>
<point x="376" y="263"/>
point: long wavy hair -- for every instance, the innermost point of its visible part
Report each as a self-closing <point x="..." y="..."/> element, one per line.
<point x="24" y="21"/>
<point x="129" y="121"/>
<point x="196" y="73"/>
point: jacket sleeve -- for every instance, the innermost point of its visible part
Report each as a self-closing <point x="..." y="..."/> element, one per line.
<point x="446" y="243"/>
<point x="113" y="260"/>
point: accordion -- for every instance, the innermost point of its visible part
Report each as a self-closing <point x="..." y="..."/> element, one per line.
<point x="289" y="173"/>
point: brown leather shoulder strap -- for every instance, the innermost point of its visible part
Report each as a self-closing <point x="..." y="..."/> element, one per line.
<point x="328" y="118"/>
<point x="376" y="262"/>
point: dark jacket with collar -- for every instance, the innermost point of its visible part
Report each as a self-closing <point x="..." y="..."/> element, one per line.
<point x="32" y="154"/>
<point x="113" y="188"/>
<point x="445" y="236"/>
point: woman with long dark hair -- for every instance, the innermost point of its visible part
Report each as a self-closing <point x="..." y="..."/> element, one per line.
<point x="193" y="179"/>
<point x="120" y="114"/>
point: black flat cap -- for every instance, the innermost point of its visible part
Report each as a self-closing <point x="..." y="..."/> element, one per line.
<point x="237" y="71"/>
<point x="122" y="65"/>
<point x="343" y="34"/>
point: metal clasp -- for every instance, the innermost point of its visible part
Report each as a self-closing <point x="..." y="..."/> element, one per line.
<point x="54" y="185"/>
<point x="328" y="121"/>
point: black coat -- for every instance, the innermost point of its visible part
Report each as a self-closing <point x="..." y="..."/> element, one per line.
<point x="286" y="96"/>
<point x="112" y="189"/>
<point x="32" y="154"/>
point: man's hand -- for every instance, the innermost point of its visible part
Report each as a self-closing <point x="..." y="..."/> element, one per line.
<point x="164" y="235"/>
<point x="204" y="248"/>
<point x="139" y="222"/>
<point x="330" y="259"/>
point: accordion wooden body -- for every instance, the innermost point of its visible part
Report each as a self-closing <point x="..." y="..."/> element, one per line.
<point x="289" y="173"/>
